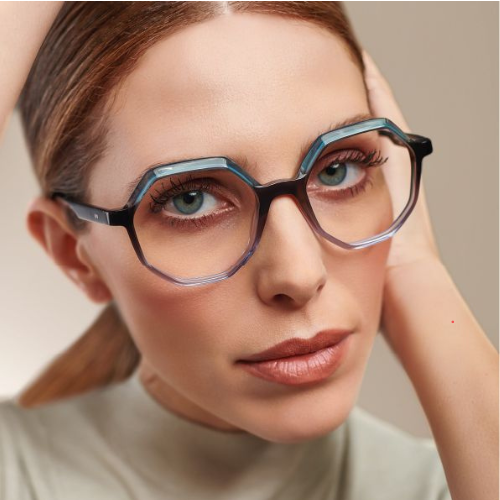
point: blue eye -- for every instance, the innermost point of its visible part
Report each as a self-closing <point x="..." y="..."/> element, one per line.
<point x="348" y="171"/>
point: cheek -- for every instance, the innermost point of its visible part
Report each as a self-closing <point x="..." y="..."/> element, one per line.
<point x="357" y="281"/>
<point x="368" y="284"/>
<point x="172" y="325"/>
<point x="183" y="331"/>
<point x="368" y="280"/>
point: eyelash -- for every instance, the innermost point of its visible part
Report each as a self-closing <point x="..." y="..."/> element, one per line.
<point x="190" y="183"/>
<point x="211" y="186"/>
<point x="365" y="159"/>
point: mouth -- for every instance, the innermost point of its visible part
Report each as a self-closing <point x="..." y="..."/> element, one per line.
<point x="301" y="362"/>
<point x="299" y="346"/>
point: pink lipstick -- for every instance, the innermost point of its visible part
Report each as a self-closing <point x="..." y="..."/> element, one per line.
<point x="300" y="361"/>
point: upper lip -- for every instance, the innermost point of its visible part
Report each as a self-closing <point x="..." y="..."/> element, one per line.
<point x="297" y="346"/>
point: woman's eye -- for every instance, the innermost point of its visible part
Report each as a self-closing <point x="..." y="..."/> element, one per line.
<point x="191" y="202"/>
<point x="342" y="174"/>
<point x="192" y="205"/>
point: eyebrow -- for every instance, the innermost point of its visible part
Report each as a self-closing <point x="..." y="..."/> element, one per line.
<point x="243" y="161"/>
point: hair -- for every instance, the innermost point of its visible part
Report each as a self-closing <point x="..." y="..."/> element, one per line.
<point x="90" y="48"/>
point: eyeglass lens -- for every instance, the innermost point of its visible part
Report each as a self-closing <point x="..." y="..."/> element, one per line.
<point x="200" y="223"/>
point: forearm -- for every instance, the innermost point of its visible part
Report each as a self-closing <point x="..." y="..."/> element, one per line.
<point x="23" y="27"/>
<point x="454" y="369"/>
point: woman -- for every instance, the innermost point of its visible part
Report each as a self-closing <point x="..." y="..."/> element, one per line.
<point x="120" y="94"/>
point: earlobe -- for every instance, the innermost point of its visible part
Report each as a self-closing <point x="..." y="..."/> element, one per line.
<point x="47" y="224"/>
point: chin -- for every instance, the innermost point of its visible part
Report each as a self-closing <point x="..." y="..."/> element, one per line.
<point x="302" y="417"/>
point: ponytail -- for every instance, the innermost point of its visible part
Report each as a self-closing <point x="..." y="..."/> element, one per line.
<point x="104" y="354"/>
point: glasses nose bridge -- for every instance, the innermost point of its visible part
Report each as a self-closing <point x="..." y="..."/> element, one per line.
<point x="287" y="187"/>
<point x="268" y="192"/>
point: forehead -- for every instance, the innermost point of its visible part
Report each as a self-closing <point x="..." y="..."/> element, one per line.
<point x="241" y="84"/>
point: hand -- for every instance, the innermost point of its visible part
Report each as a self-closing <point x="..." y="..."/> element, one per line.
<point x="414" y="245"/>
<point x="415" y="239"/>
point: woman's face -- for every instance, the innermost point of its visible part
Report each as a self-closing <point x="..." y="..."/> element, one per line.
<point x="259" y="86"/>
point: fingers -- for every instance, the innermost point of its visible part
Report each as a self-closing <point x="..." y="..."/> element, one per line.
<point x="381" y="98"/>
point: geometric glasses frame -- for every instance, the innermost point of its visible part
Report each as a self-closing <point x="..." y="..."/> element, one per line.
<point x="418" y="146"/>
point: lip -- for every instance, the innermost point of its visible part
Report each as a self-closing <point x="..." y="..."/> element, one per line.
<point x="298" y="346"/>
<point x="317" y="359"/>
<point x="305" y="369"/>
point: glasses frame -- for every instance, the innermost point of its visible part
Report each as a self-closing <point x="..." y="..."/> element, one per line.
<point x="418" y="145"/>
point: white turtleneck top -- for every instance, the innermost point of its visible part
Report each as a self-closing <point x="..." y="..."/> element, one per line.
<point x="119" y="443"/>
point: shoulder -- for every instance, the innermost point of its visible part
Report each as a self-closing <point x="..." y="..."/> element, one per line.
<point x="39" y="444"/>
<point x="34" y="426"/>
<point x="20" y="443"/>
<point x="387" y="462"/>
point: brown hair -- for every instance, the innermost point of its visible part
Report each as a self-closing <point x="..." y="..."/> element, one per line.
<point x="90" y="48"/>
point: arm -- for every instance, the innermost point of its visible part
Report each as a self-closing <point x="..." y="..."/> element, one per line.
<point x="454" y="370"/>
<point x="452" y="366"/>
<point x="23" y="27"/>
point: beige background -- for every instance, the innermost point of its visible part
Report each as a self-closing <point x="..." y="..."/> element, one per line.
<point x="441" y="59"/>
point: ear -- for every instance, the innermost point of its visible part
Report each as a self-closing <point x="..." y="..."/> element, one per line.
<point x="47" y="223"/>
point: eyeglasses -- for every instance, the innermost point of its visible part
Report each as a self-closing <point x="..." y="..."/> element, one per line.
<point x="199" y="221"/>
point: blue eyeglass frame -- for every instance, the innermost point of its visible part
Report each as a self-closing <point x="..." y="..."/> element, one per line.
<point x="418" y="145"/>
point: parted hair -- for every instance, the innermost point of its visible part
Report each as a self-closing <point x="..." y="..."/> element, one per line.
<point x="90" y="48"/>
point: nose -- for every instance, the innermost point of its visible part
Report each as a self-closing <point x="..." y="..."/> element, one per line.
<point x="288" y="260"/>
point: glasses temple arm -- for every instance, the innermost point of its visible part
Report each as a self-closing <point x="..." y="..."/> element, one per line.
<point x="91" y="213"/>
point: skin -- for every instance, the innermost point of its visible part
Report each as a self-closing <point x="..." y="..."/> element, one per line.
<point x="195" y="95"/>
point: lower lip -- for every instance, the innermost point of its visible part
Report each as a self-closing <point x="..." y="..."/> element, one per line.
<point x="298" y="370"/>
